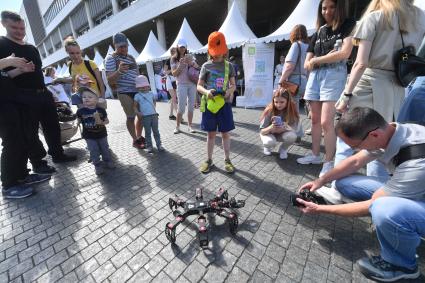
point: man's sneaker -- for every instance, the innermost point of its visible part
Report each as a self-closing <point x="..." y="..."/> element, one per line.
<point x="149" y="149"/>
<point x="32" y="179"/>
<point x="327" y="166"/>
<point x="310" y="159"/>
<point x="18" y="191"/>
<point x="98" y="169"/>
<point x="177" y="130"/>
<point x="206" y="166"/>
<point x="331" y="195"/>
<point x="228" y="166"/>
<point x="161" y="148"/>
<point x="43" y="168"/>
<point x="64" y="158"/>
<point x="191" y="130"/>
<point x="172" y="117"/>
<point x="379" y="269"/>
<point x="267" y="151"/>
<point x="283" y="153"/>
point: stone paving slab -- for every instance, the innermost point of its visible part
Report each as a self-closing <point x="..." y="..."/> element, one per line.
<point x="83" y="228"/>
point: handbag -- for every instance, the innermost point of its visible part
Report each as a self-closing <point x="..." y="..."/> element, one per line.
<point x="217" y="102"/>
<point x="193" y="74"/>
<point x="407" y="65"/>
<point x="292" y="88"/>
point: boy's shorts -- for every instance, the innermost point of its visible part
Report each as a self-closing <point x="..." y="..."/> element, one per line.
<point x="221" y="121"/>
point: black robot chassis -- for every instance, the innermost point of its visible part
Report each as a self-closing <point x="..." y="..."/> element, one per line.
<point x="220" y="205"/>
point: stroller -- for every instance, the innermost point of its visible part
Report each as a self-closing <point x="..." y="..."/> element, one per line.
<point x="67" y="122"/>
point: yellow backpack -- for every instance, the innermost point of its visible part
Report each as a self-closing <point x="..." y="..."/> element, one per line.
<point x="217" y="102"/>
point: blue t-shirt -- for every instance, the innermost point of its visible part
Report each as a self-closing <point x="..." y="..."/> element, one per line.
<point x="146" y="103"/>
<point x="90" y="129"/>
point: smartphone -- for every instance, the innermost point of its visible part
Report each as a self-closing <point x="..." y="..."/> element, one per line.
<point x="277" y="120"/>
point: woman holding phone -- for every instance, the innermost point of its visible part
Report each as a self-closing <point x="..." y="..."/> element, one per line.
<point x="186" y="90"/>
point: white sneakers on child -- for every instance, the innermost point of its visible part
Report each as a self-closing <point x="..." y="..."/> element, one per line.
<point x="191" y="130"/>
<point x="310" y="159"/>
<point x="267" y="151"/>
<point x="327" y="166"/>
<point x="177" y="130"/>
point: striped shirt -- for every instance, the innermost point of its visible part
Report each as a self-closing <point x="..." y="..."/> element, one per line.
<point x="126" y="82"/>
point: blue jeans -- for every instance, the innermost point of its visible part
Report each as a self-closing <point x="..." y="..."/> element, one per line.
<point x="350" y="186"/>
<point x="412" y="108"/>
<point x="150" y="123"/>
<point x="97" y="148"/>
<point x="399" y="225"/>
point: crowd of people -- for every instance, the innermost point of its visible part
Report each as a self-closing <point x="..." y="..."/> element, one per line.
<point x="366" y="134"/>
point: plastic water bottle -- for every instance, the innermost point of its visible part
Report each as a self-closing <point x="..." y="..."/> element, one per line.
<point x="338" y="44"/>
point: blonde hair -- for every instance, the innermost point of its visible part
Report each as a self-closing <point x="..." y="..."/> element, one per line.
<point x="70" y="41"/>
<point x="408" y="14"/>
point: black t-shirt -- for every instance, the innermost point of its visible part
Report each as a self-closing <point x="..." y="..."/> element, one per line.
<point x="90" y="129"/>
<point x="323" y="41"/>
<point x="33" y="80"/>
<point x="7" y="88"/>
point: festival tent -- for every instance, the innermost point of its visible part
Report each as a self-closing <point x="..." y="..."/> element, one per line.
<point x="86" y="57"/>
<point x="58" y="71"/>
<point x="187" y="34"/>
<point x="150" y="53"/>
<point x="110" y="50"/>
<point x="131" y="50"/>
<point x="65" y="71"/>
<point x="234" y="28"/>
<point x="98" y="60"/>
<point x="305" y="13"/>
<point x="62" y="71"/>
<point x="420" y="4"/>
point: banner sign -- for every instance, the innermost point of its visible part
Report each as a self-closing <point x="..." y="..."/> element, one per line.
<point x="258" y="61"/>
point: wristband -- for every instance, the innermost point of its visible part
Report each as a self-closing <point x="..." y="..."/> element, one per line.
<point x="348" y="94"/>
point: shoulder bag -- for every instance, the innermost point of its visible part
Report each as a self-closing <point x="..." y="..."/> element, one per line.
<point x="292" y="88"/>
<point x="407" y="65"/>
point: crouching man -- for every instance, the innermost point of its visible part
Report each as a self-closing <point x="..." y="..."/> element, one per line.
<point x="397" y="207"/>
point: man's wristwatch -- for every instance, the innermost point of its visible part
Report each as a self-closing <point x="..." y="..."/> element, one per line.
<point x="348" y="94"/>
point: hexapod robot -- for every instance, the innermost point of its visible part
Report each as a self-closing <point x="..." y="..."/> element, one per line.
<point x="220" y="205"/>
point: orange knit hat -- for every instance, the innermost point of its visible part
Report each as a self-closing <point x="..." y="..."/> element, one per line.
<point x="217" y="44"/>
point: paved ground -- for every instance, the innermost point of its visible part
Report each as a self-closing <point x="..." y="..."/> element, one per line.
<point x="80" y="227"/>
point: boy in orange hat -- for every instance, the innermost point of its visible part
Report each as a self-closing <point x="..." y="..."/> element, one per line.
<point x="217" y="85"/>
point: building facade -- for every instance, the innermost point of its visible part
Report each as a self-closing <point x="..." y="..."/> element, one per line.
<point x="93" y="22"/>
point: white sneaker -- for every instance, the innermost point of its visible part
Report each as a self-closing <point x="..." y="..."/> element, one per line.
<point x="310" y="159"/>
<point x="331" y="195"/>
<point x="177" y="130"/>
<point x="327" y="166"/>
<point x="283" y="153"/>
<point x="192" y="130"/>
<point x="267" y="151"/>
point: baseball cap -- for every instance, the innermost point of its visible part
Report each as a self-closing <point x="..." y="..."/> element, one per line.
<point x="182" y="42"/>
<point x="119" y="39"/>
<point x="217" y="44"/>
<point x="141" y="81"/>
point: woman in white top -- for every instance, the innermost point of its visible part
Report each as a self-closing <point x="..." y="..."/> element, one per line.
<point x="372" y="81"/>
<point x="57" y="90"/>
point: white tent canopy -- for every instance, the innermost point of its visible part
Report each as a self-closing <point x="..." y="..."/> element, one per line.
<point x="420" y="4"/>
<point x="63" y="70"/>
<point x="152" y="50"/>
<point x="305" y="13"/>
<point x="235" y="29"/>
<point x="131" y="50"/>
<point x="187" y="34"/>
<point x="58" y="71"/>
<point x="98" y="60"/>
<point x="86" y="57"/>
<point x="110" y="50"/>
